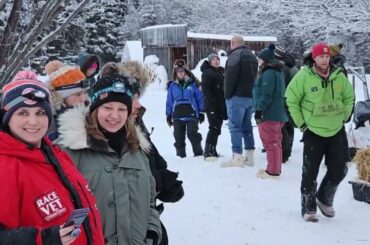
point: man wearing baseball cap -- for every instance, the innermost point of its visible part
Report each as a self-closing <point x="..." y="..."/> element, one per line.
<point x="320" y="99"/>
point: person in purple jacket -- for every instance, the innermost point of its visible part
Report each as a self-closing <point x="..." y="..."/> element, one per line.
<point x="184" y="109"/>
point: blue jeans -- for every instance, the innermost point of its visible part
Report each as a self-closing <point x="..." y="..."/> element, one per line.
<point x="239" y="111"/>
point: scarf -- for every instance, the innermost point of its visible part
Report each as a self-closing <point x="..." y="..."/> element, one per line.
<point x="322" y="73"/>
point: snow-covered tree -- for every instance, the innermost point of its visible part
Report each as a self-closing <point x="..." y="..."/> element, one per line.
<point x="27" y="25"/>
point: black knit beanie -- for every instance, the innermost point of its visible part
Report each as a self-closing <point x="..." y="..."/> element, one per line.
<point x="267" y="54"/>
<point x="112" y="88"/>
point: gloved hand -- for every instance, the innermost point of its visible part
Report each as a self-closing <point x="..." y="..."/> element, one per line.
<point x="258" y="116"/>
<point x="51" y="235"/>
<point x="201" y="117"/>
<point x="151" y="238"/>
<point x="169" y="121"/>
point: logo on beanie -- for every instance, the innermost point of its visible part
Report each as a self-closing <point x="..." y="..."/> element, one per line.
<point x="325" y="50"/>
<point x="28" y="91"/>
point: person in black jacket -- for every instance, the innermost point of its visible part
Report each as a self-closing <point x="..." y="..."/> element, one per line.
<point x="214" y="102"/>
<point x="240" y="74"/>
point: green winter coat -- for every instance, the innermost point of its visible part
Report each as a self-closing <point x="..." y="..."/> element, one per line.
<point x="323" y="105"/>
<point x="123" y="185"/>
<point x="268" y="95"/>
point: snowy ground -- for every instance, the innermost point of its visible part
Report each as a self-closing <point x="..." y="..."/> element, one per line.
<point x="231" y="206"/>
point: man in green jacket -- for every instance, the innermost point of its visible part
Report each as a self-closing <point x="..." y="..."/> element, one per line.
<point x="320" y="99"/>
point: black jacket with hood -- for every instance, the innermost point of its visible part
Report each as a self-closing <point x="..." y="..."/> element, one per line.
<point x="213" y="89"/>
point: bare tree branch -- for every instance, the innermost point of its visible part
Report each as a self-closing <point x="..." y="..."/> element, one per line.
<point x="7" y="38"/>
<point x="2" y="4"/>
<point x="19" y="58"/>
<point x="27" y="45"/>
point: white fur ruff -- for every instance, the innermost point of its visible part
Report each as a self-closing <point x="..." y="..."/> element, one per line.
<point x="72" y="129"/>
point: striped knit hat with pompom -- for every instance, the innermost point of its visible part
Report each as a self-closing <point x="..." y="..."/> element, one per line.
<point x="25" y="91"/>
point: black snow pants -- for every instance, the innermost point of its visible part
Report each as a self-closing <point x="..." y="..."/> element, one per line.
<point x="214" y="129"/>
<point x="190" y="128"/>
<point x="335" y="150"/>
<point x="287" y="132"/>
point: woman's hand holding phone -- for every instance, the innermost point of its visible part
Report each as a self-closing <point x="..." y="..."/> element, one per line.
<point x="66" y="234"/>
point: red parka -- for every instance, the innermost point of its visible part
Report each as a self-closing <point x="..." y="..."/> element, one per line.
<point x="32" y="193"/>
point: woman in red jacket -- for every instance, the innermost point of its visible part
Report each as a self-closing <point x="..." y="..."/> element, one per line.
<point x="40" y="187"/>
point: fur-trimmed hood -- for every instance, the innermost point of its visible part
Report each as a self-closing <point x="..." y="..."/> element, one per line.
<point x="135" y="70"/>
<point x="73" y="133"/>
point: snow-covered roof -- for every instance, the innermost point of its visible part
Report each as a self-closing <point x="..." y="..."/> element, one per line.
<point x="162" y="26"/>
<point x="133" y="51"/>
<point x="228" y="37"/>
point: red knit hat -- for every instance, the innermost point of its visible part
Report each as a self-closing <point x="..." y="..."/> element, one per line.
<point x="319" y="49"/>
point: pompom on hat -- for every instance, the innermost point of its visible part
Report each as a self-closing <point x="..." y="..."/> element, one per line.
<point x="52" y="66"/>
<point x="68" y="80"/>
<point x="25" y="91"/>
<point x="320" y="49"/>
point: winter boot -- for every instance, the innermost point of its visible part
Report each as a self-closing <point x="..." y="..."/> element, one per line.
<point x="197" y="149"/>
<point x="326" y="210"/>
<point x="263" y="174"/>
<point x="249" y="158"/>
<point x="308" y="202"/>
<point x="181" y="152"/>
<point x="236" y="161"/>
<point x="310" y="217"/>
<point x="207" y="150"/>
<point x="210" y="153"/>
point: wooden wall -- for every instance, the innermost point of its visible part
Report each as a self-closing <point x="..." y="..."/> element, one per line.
<point x="167" y="36"/>
<point x="198" y="49"/>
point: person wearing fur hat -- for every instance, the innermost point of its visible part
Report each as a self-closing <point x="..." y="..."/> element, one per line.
<point x="180" y="63"/>
<point x="68" y="87"/>
<point x="320" y="99"/>
<point x="184" y="109"/>
<point x="337" y="57"/>
<point x="40" y="186"/>
<point x="108" y="150"/>
<point x="240" y="75"/>
<point x="168" y="187"/>
<point x="214" y="102"/>
<point x="270" y="115"/>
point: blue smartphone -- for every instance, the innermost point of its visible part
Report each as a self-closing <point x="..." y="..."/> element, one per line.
<point x="77" y="217"/>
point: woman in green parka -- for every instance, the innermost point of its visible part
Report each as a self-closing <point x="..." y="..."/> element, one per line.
<point x="108" y="150"/>
<point x="320" y="100"/>
<point x="270" y="115"/>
